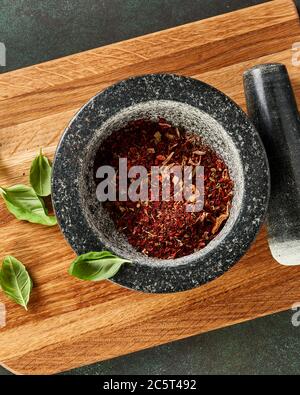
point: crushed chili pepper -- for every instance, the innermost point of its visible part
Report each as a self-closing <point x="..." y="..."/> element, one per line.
<point x="164" y="229"/>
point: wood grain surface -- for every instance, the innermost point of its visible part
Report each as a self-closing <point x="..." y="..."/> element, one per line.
<point x="72" y="323"/>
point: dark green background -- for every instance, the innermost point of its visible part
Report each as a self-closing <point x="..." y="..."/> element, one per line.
<point x="35" y="31"/>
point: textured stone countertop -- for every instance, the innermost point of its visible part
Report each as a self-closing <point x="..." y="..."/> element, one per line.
<point x="35" y="31"/>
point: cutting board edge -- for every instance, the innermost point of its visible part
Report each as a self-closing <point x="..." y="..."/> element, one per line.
<point x="16" y="371"/>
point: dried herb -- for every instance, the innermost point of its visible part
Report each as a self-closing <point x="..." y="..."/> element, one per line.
<point x="164" y="229"/>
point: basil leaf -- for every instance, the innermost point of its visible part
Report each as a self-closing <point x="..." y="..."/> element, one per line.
<point x="40" y="175"/>
<point x="96" y="266"/>
<point x="15" y="281"/>
<point x="24" y="204"/>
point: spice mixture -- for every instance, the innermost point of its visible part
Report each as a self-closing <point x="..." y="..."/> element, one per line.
<point x="164" y="229"/>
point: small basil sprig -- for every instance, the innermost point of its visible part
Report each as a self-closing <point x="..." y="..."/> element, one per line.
<point x="40" y="175"/>
<point x="15" y="281"/>
<point x="24" y="204"/>
<point x="96" y="266"/>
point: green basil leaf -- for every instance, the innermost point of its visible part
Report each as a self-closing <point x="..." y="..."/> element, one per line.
<point x="24" y="204"/>
<point x="96" y="266"/>
<point x="40" y="175"/>
<point x="15" y="281"/>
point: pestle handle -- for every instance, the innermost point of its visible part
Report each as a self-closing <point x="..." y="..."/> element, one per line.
<point x="273" y="109"/>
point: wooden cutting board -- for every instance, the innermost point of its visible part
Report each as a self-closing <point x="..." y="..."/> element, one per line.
<point x="72" y="323"/>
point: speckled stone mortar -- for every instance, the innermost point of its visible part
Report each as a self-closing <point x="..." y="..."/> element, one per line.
<point x="184" y="102"/>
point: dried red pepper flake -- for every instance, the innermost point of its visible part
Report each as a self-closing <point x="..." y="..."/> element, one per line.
<point x="164" y="229"/>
